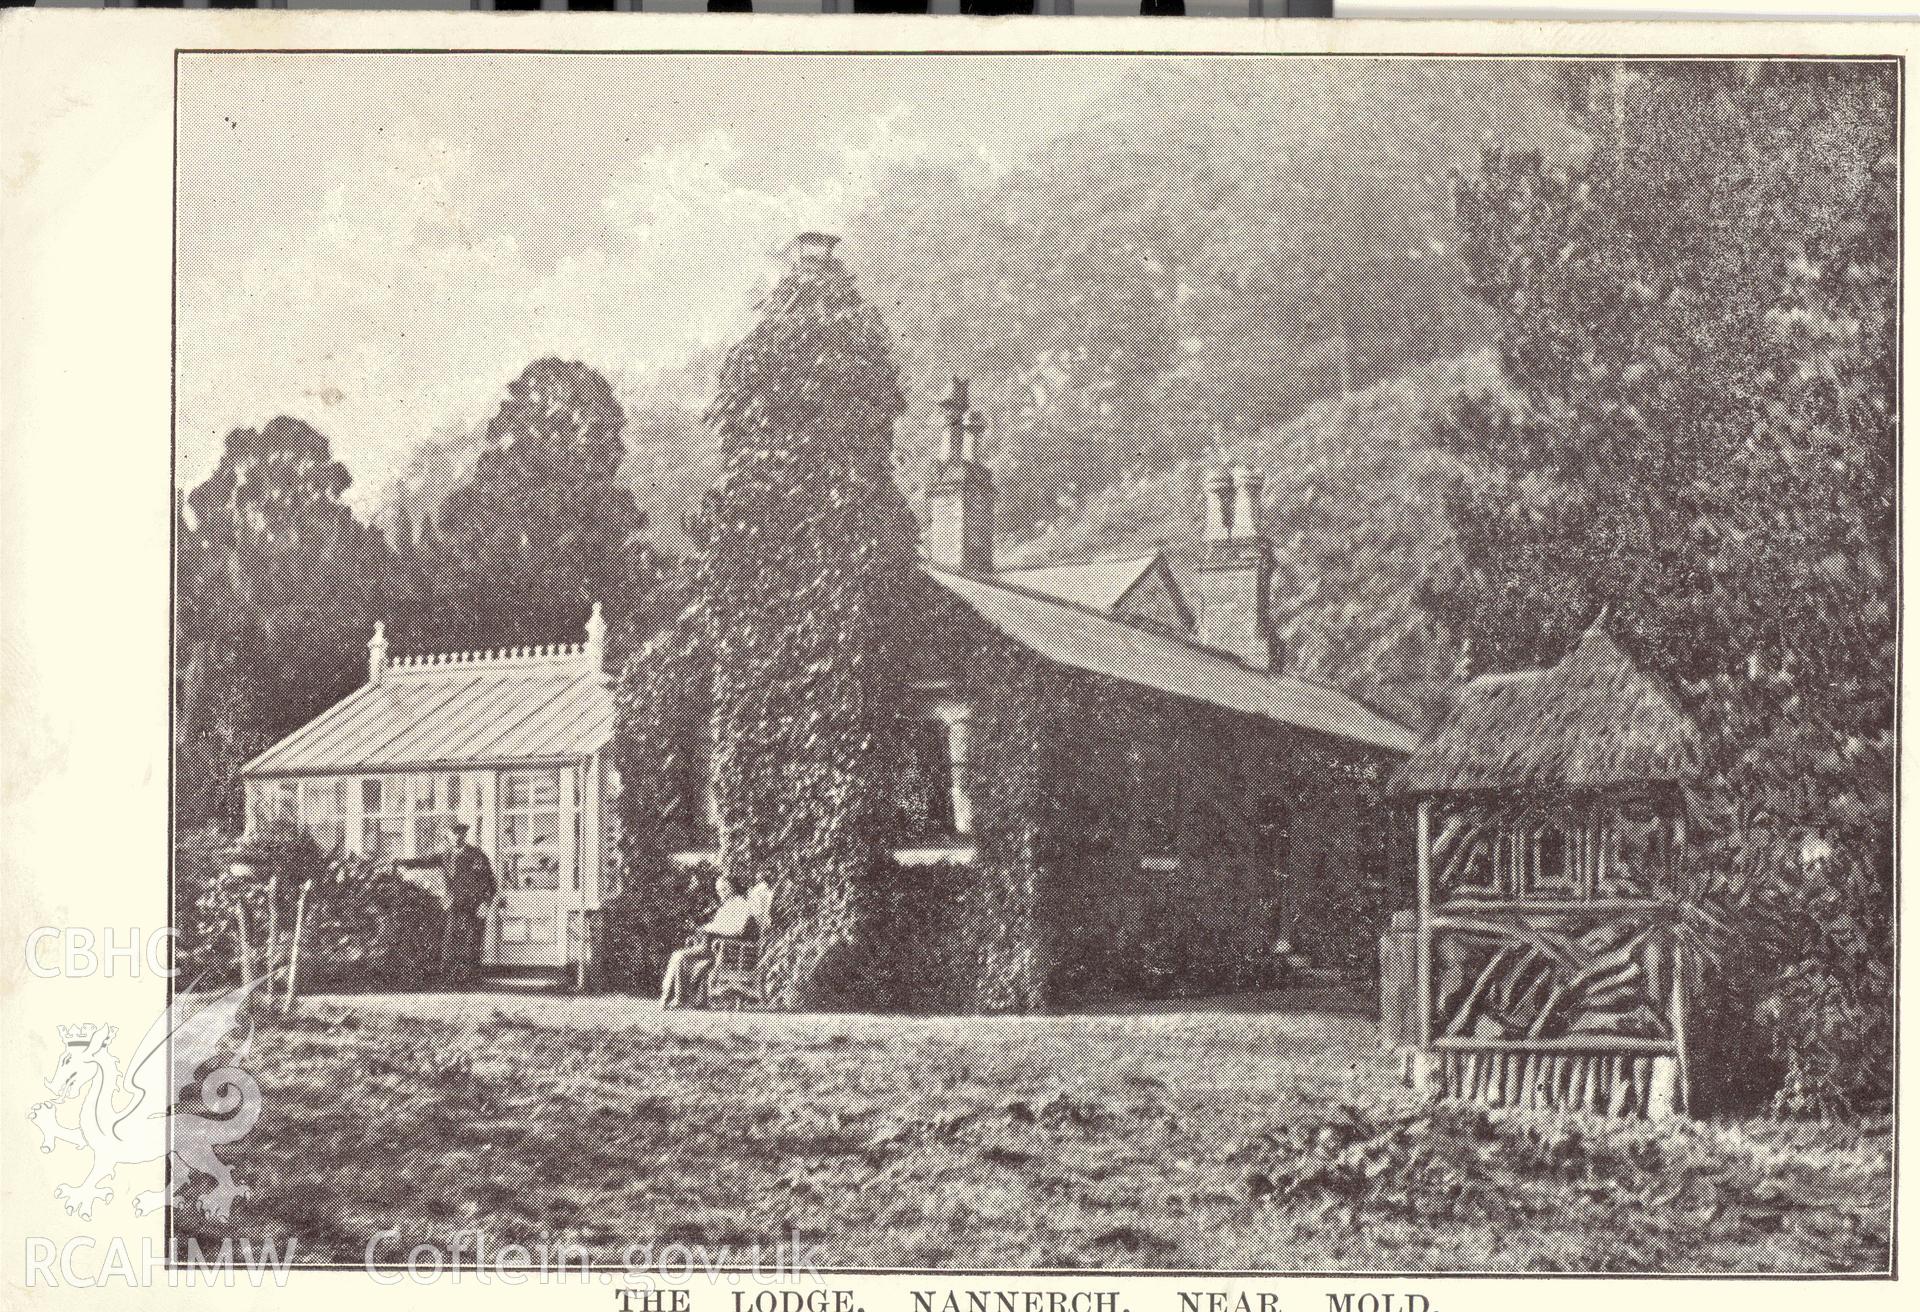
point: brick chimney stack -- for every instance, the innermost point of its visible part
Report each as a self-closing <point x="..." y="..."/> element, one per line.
<point x="1236" y="572"/>
<point x="960" y="492"/>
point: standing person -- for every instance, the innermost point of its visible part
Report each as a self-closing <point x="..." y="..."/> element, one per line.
<point x="470" y="892"/>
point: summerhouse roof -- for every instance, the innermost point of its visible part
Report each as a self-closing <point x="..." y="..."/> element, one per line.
<point x="1089" y="639"/>
<point x="466" y="708"/>
<point x="1595" y="720"/>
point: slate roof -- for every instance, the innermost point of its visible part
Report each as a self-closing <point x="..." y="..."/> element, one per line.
<point x="1087" y="639"/>
<point x="492" y="708"/>
<point x="1099" y="583"/>
<point x="469" y="709"/>
<point x="1595" y="720"/>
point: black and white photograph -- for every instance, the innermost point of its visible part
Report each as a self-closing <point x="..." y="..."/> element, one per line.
<point x="1023" y="662"/>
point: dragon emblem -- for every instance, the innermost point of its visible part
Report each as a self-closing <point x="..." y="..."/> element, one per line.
<point x="124" y="1117"/>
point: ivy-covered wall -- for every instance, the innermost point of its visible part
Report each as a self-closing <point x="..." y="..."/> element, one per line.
<point x="1127" y="843"/>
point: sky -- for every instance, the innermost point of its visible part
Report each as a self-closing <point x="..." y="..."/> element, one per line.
<point x="377" y="244"/>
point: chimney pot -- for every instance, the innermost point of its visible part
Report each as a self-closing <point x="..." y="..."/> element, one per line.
<point x="1219" y="493"/>
<point x="813" y="247"/>
<point x="1248" y="485"/>
<point x="952" y="438"/>
<point x="975" y="425"/>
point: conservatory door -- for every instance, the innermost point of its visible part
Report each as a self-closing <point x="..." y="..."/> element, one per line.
<point x="536" y="868"/>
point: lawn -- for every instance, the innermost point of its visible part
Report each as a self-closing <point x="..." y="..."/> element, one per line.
<point x="1196" y="1139"/>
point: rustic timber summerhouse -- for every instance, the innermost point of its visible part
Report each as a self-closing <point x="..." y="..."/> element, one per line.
<point x="1550" y="963"/>
<point x="512" y="743"/>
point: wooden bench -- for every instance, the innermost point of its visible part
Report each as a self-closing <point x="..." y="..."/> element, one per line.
<point x="735" y="978"/>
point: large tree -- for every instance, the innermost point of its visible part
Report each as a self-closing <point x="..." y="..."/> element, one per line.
<point x="543" y="527"/>
<point x="278" y="584"/>
<point x="1696" y="318"/>
<point x="808" y="559"/>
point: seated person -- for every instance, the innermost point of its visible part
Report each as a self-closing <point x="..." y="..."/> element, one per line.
<point x="686" y="980"/>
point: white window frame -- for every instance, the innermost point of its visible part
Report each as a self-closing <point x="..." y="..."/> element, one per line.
<point x="444" y="794"/>
<point x="567" y="819"/>
<point x="392" y="809"/>
<point x="323" y="812"/>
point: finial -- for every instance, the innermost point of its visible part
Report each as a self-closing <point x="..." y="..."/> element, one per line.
<point x="377" y="652"/>
<point x="596" y="648"/>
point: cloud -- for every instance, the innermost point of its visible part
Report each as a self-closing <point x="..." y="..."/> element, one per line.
<point x="405" y="299"/>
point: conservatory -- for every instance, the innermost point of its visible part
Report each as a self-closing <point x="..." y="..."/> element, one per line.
<point x="511" y="743"/>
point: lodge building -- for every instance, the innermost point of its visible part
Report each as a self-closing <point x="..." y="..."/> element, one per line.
<point x="1241" y="782"/>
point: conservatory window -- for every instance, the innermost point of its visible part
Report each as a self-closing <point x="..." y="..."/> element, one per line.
<point x="436" y="802"/>
<point x="323" y="812"/>
<point x="531" y="805"/>
<point x="383" y="819"/>
<point x="272" y="809"/>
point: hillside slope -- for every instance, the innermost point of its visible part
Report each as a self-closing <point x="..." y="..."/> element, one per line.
<point x="1355" y="491"/>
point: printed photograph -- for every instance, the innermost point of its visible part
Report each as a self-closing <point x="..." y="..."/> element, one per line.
<point x="1024" y="662"/>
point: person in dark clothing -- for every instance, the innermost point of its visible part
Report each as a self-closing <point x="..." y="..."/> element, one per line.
<point x="470" y="892"/>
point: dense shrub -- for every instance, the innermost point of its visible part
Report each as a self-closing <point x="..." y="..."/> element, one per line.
<point x="1802" y="986"/>
<point x="365" y="926"/>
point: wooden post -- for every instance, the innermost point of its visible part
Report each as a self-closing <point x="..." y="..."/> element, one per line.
<point x="1679" y="1021"/>
<point x="1423" y="948"/>
<point x="1677" y="864"/>
<point x="246" y="947"/>
<point x="588" y="864"/>
<point x="293" y="951"/>
<point x="1662" y="1090"/>
<point x="273" y="929"/>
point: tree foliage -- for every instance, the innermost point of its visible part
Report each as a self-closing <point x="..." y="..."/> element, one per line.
<point x="807" y="555"/>
<point x="1165" y="279"/>
<point x="543" y="527"/>
<point x="278" y="584"/>
<point x="1697" y="319"/>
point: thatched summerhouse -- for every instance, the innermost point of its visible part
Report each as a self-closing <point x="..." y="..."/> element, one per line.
<point x="1549" y="969"/>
